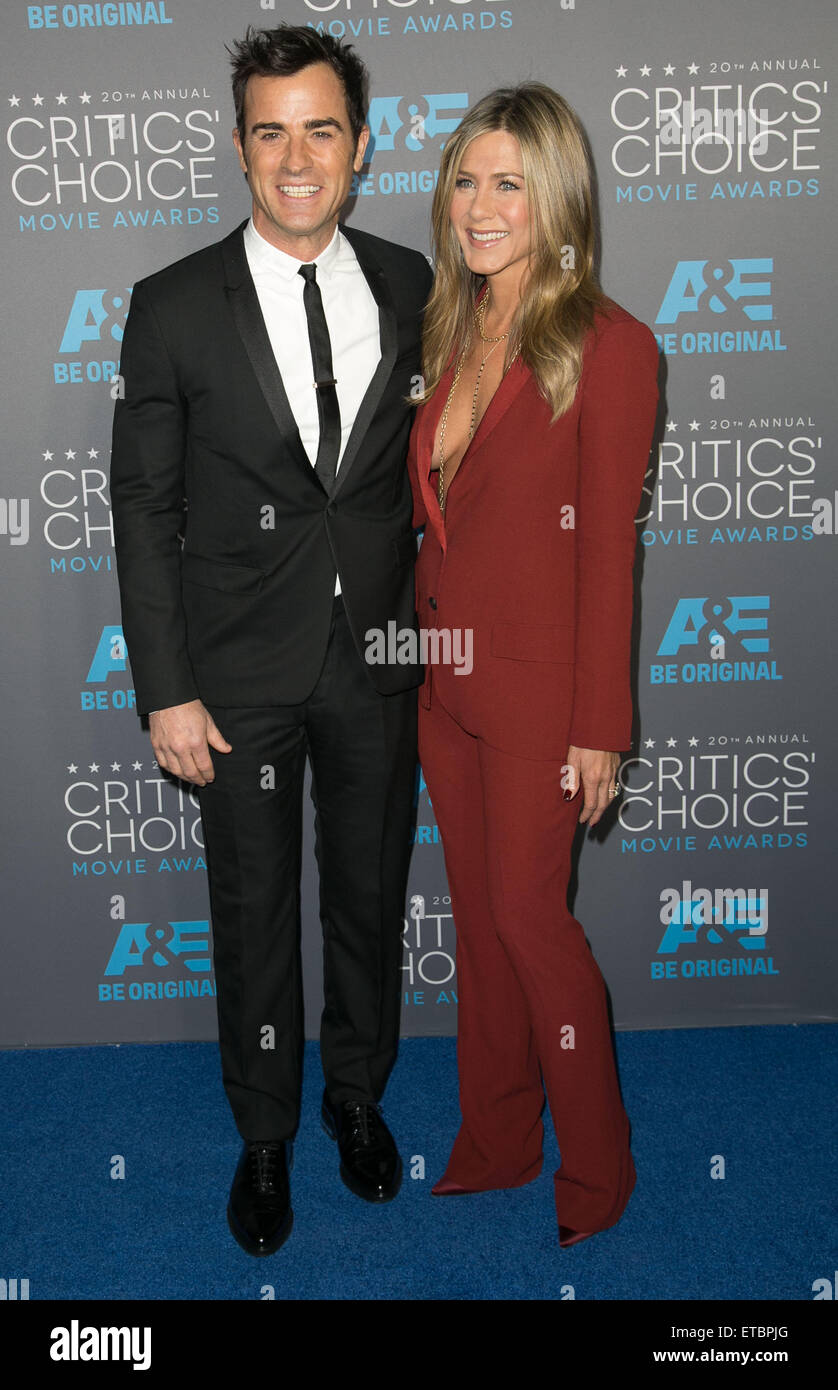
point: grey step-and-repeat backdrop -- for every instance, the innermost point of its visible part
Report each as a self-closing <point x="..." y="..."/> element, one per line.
<point x="709" y="900"/>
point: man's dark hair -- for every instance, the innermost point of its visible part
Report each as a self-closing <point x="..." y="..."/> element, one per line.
<point x="288" y="49"/>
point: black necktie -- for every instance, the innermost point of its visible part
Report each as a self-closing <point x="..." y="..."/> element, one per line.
<point x="328" y="410"/>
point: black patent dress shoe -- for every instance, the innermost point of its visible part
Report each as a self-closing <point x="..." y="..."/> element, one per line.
<point x="369" y="1160"/>
<point x="259" y="1210"/>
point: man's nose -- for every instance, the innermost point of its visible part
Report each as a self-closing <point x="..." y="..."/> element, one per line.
<point x="295" y="155"/>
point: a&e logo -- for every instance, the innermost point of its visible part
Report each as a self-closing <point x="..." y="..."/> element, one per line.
<point x="718" y="629"/>
<point x="178" y="944"/>
<point x="696" y="917"/>
<point x="96" y="318"/>
<point x="438" y="114"/>
<point x="723" y="288"/>
<point x="109" y="658"/>
<point x="735" y="288"/>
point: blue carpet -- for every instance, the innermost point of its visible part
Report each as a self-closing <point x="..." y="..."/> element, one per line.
<point x="763" y="1098"/>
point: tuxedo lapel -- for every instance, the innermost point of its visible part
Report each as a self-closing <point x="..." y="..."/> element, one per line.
<point x="388" y="335"/>
<point x="247" y="316"/>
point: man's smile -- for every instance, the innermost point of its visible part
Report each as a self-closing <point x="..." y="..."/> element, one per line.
<point x="299" y="190"/>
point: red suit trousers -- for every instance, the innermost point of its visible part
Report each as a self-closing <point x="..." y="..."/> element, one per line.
<point x="532" y="1003"/>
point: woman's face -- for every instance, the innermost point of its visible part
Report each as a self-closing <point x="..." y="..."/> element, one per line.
<point x="490" y="207"/>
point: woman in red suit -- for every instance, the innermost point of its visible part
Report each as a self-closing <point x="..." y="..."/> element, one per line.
<point x="527" y="460"/>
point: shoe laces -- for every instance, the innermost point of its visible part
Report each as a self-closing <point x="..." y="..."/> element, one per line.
<point x="264" y="1160"/>
<point x="358" y="1116"/>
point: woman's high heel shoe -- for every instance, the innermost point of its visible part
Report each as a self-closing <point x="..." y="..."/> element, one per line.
<point x="567" y="1236"/>
<point x="446" y="1188"/>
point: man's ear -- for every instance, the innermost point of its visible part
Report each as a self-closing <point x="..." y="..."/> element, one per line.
<point x="360" y="149"/>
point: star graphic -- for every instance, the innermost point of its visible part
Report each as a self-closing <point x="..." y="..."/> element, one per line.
<point x="671" y="426"/>
<point x="692" y="69"/>
<point x="72" y="767"/>
<point x="37" y="100"/>
<point x="116" y="767"/>
<point x="669" y="69"/>
<point x="69" y="453"/>
<point x="61" y="99"/>
<point x="138" y="767"/>
<point x="84" y="98"/>
<point x="14" y="101"/>
<point x="694" y="425"/>
<point x="645" y="70"/>
<point x="47" y="455"/>
<point x="94" y="767"/>
<point x="621" y="72"/>
<point x="693" y="742"/>
<point x="649" y="743"/>
<point x="672" y="743"/>
<point x="93" y="453"/>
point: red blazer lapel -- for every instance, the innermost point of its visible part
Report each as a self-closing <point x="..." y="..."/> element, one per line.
<point x="508" y="389"/>
<point x="428" y="423"/>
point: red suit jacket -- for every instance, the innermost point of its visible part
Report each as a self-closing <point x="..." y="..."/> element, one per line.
<point x="537" y="552"/>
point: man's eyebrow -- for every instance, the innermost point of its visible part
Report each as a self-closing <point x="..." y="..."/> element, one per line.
<point x="315" y="123"/>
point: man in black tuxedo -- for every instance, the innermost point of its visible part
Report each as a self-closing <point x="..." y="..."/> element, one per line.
<point x="267" y="380"/>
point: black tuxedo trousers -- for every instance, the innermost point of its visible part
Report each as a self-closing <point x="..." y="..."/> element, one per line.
<point x="362" y="749"/>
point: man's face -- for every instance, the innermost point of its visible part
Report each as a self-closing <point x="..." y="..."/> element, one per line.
<point x="299" y="157"/>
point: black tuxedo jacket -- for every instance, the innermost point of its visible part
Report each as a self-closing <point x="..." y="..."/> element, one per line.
<point x="226" y="541"/>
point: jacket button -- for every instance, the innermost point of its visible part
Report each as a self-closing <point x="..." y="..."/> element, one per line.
<point x="332" y="508"/>
<point x="432" y="602"/>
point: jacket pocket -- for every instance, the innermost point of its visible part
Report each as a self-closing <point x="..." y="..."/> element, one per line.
<point x="215" y="574"/>
<point x="527" y="642"/>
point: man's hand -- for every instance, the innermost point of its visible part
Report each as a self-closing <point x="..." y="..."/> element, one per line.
<point x="595" y="771"/>
<point x="181" y="737"/>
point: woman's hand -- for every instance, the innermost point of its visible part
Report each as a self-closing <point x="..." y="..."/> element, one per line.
<point x="595" y="772"/>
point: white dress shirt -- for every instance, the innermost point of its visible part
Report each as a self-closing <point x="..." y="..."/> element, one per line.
<point x="351" y="317"/>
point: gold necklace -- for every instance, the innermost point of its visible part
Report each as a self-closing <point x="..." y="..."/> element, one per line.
<point x="479" y="316"/>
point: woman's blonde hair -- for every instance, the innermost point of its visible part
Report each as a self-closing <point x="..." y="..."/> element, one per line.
<point x="561" y="291"/>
